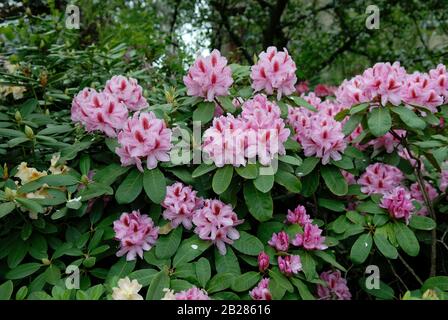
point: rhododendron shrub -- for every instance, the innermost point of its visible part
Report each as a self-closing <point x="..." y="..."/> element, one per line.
<point x="239" y="182"/>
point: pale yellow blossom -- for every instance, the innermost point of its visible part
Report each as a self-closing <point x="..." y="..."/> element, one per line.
<point x="169" y="294"/>
<point x="127" y="290"/>
<point x="26" y="174"/>
<point x="57" y="169"/>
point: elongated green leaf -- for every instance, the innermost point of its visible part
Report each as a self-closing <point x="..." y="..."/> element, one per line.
<point x="30" y="205"/>
<point x="281" y="280"/>
<point x="130" y="188"/>
<point x="248" y="244"/>
<point x="222" y="178"/>
<point x="288" y="180"/>
<point x="22" y="271"/>
<point x="245" y="281"/>
<point x="189" y="250"/>
<point x="227" y="263"/>
<point x="334" y="180"/>
<point x="264" y="183"/>
<point x="406" y="239"/>
<point x="409" y="117"/>
<point x="359" y="108"/>
<point x="56" y="180"/>
<point x="203" y="271"/>
<point x="330" y="259"/>
<point x="351" y="124"/>
<point x="307" y="166"/>
<point x="304" y="292"/>
<point x="203" y="169"/>
<point x="6" y="290"/>
<point x="302" y="103"/>
<point x="158" y="283"/>
<point x="220" y="282"/>
<point x="379" y="121"/>
<point x="440" y="282"/>
<point x="361" y="248"/>
<point x="154" y="184"/>
<point x="385" y="247"/>
<point x="260" y="204"/>
<point x="204" y="112"/>
<point x="6" y="208"/>
<point x="109" y="174"/>
<point x="167" y="245"/>
<point x="250" y="171"/>
<point x="422" y="223"/>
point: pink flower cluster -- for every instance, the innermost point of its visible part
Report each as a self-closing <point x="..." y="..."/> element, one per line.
<point x="180" y="204"/>
<point x="289" y="265"/>
<point x="386" y="82"/>
<point x="136" y="234"/>
<point x="398" y="203"/>
<point x="311" y="239"/>
<point x="318" y="132"/>
<point x="216" y="222"/>
<point x="144" y="136"/>
<point x="298" y="216"/>
<point x="98" y="111"/>
<point x="128" y="91"/>
<point x="193" y="293"/>
<point x="261" y="291"/>
<point x="336" y="287"/>
<point x="209" y="77"/>
<point x="417" y="195"/>
<point x="274" y="71"/>
<point x="279" y="241"/>
<point x="380" y="178"/>
<point x="258" y="132"/>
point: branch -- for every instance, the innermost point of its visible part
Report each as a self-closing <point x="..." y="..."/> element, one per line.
<point x="273" y="28"/>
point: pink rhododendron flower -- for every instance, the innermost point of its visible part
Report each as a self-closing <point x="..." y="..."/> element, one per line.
<point x="417" y="195"/>
<point x="216" y="222"/>
<point x="180" y="204"/>
<point x="311" y="239"/>
<point x="128" y="91"/>
<point x="380" y="178"/>
<point x="136" y="234"/>
<point x="279" y="241"/>
<point x="323" y="90"/>
<point x="263" y="261"/>
<point x="419" y="90"/>
<point x="144" y="136"/>
<point x="443" y="180"/>
<point x="257" y="133"/>
<point x="399" y="203"/>
<point x="336" y="287"/>
<point x="261" y="291"/>
<point x="192" y="294"/>
<point x="387" y="142"/>
<point x="289" y="265"/>
<point x="274" y="71"/>
<point x="99" y="112"/>
<point x="349" y="177"/>
<point x="298" y="216"/>
<point x="209" y="77"/>
<point x="302" y="87"/>
<point x="439" y="77"/>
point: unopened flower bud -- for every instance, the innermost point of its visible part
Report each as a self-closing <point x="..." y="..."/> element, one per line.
<point x="46" y="262"/>
<point x="263" y="261"/>
<point x="18" y="116"/>
<point x="29" y="132"/>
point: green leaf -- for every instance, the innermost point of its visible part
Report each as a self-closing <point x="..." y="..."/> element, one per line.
<point x="409" y="118"/>
<point x="245" y="281"/>
<point x="84" y="164"/>
<point x="440" y="282"/>
<point x="22" y="271"/>
<point x="250" y="171"/>
<point x="308" y="266"/>
<point x="222" y="179"/>
<point x="204" y="112"/>
<point x="264" y="183"/>
<point x="130" y="188"/>
<point x="154" y="184"/>
<point x="160" y="281"/>
<point x="220" y="282"/>
<point x="6" y="208"/>
<point x="202" y="169"/>
<point x="361" y="248"/>
<point x="307" y="166"/>
<point x="290" y="160"/>
<point x="334" y="180"/>
<point x="329" y="258"/>
<point x="385" y="247"/>
<point x="203" y="271"/>
<point x="109" y="174"/>
<point x="281" y="280"/>
<point x="248" y="244"/>
<point x="384" y="292"/>
<point x="304" y="292"/>
<point x="359" y="108"/>
<point x="406" y="239"/>
<point x="370" y="207"/>
<point x="302" y="103"/>
<point x="31" y="205"/>
<point x="94" y="190"/>
<point x="310" y="183"/>
<point x="379" y="121"/>
<point x="28" y="107"/>
<point x="288" y="180"/>
<point x="422" y="223"/>
<point x="226" y="103"/>
<point x="227" y="263"/>
<point x="167" y="245"/>
<point x="189" y="250"/>
<point x="351" y="124"/>
<point x="56" y="180"/>
<point x="260" y="204"/>
<point x="6" y="290"/>
<point x="330" y="204"/>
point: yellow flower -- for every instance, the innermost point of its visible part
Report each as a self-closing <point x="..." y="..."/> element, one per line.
<point x="26" y="174"/>
<point x="169" y="294"/>
<point x="60" y="169"/>
<point x="127" y="290"/>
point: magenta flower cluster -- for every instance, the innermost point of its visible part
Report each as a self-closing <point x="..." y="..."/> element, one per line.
<point x="335" y="287"/>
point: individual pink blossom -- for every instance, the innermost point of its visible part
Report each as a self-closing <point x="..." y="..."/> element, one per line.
<point x="216" y="222"/>
<point x="263" y="261"/>
<point x="180" y="204"/>
<point x="417" y="195"/>
<point x="351" y="92"/>
<point x="398" y="203"/>
<point x="193" y="293"/>
<point x="290" y="264"/>
<point x="439" y="77"/>
<point x="336" y="287"/>
<point x="99" y="112"/>
<point x="387" y="142"/>
<point x="349" y="177"/>
<point x="274" y="71"/>
<point x="209" y="77"/>
<point x="298" y="216"/>
<point x="279" y="241"/>
<point x="323" y="90"/>
<point x="128" y="91"/>
<point x="136" y="234"/>
<point x="144" y="136"/>
<point x="261" y="291"/>
<point x="419" y="90"/>
<point x="380" y="178"/>
<point x="443" y="181"/>
<point x="311" y="239"/>
<point x="302" y="87"/>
